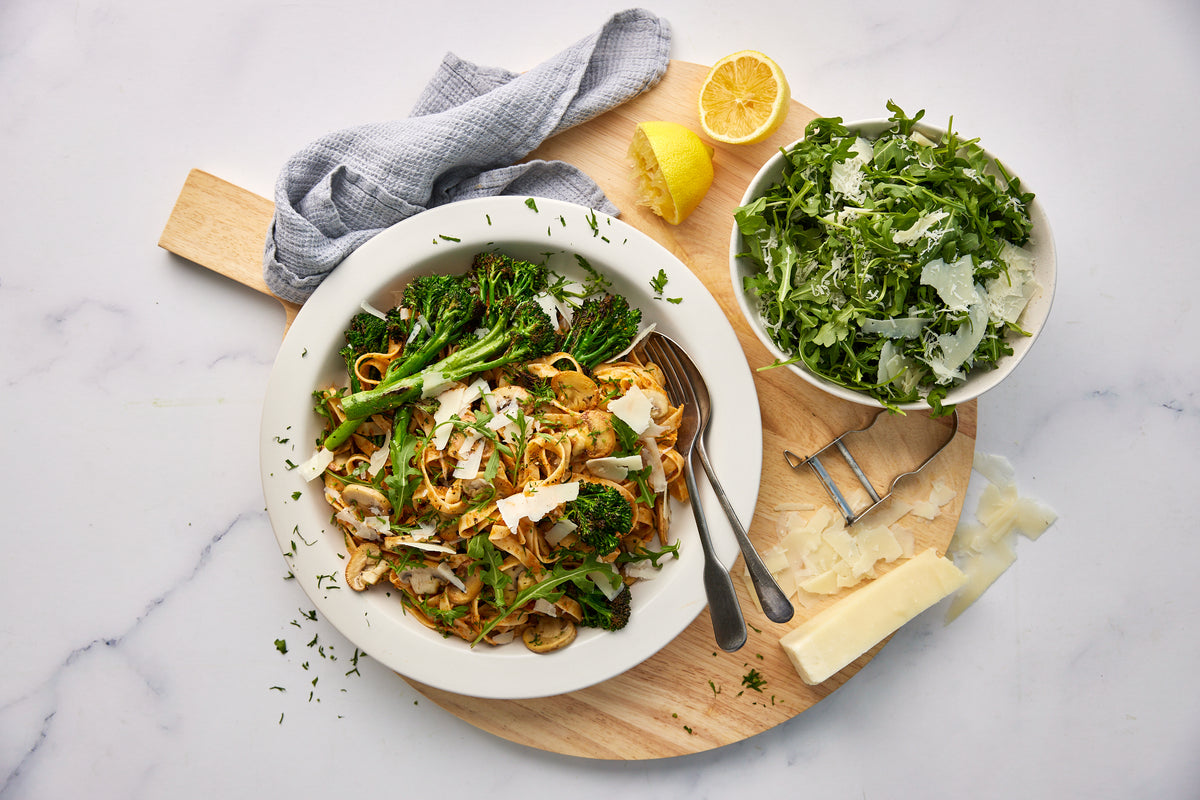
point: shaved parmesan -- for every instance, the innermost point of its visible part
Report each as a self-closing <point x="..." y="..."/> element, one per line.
<point x="612" y="468"/>
<point x="642" y="334"/>
<point x="641" y="570"/>
<point x="893" y="366"/>
<point x="919" y="228"/>
<point x="446" y="572"/>
<point x="467" y="467"/>
<point x="924" y="509"/>
<point x="986" y="546"/>
<point x="950" y="352"/>
<point x="605" y="583"/>
<point x="378" y="524"/>
<point x="897" y="327"/>
<point x="982" y="569"/>
<point x="370" y="309"/>
<point x="450" y="405"/>
<point x="847" y="176"/>
<point x="433" y="384"/>
<point x="549" y="306"/>
<point x="954" y="283"/>
<point x="505" y="415"/>
<point x="360" y="528"/>
<point x="820" y="555"/>
<point x="997" y="469"/>
<point x="535" y="503"/>
<point x="431" y="547"/>
<point x="559" y="531"/>
<point x="633" y="408"/>
<point x="544" y="606"/>
<point x="316" y="464"/>
<point x="423" y="531"/>
<point x="941" y="494"/>
<point x="1008" y="295"/>
<point x="653" y="457"/>
<point x="380" y="457"/>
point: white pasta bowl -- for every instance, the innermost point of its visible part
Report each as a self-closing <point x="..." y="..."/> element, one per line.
<point x="445" y="239"/>
<point x="977" y="380"/>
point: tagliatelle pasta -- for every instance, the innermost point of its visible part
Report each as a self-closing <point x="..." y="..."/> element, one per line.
<point x="478" y="503"/>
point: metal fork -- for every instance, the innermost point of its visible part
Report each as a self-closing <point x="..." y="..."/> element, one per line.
<point x="667" y="352"/>
<point x="729" y="626"/>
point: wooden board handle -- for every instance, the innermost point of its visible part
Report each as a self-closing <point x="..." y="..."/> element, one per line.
<point x="222" y="227"/>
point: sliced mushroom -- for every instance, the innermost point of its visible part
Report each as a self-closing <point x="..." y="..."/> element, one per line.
<point x="474" y="585"/>
<point x="659" y="404"/>
<point x="502" y="395"/>
<point x="422" y="580"/>
<point x="367" y="498"/>
<point x="365" y="567"/>
<point x="549" y="634"/>
<point x="602" y="436"/>
<point x="574" y="390"/>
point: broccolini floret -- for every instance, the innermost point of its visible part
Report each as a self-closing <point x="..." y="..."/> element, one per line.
<point x="499" y="280"/>
<point x="520" y="333"/>
<point x="599" y="611"/>
<point x="366" y="333"/>
<point x="600" y="328"/>
<point x="601" y="516"/>
<point x="438" y="310"/>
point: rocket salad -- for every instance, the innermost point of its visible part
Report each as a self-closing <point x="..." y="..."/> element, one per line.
<point x="892" y="266"/>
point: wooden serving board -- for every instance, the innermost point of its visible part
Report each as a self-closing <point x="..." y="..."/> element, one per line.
<point x="690" y="696"/>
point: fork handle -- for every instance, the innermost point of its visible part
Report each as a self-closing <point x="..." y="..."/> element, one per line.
<point x="729" y="627"/>
<point x="774" y="602"/>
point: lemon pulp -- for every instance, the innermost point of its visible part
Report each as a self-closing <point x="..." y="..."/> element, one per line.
<point x="744" y="98"/>
<point x="672" y="168"/>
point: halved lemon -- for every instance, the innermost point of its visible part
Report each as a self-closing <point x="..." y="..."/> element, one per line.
<point x="672" y="168"/>
<point x="744" y="99"/>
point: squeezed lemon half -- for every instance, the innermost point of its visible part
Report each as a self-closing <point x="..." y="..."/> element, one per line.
<point x="672" y="168"/>
<point x="744" y="98"/>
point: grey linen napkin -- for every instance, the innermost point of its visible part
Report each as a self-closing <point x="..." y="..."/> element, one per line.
<point x="462" y="140"/>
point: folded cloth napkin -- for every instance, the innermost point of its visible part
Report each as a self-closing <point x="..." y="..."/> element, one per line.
<point x="463" y="139"/>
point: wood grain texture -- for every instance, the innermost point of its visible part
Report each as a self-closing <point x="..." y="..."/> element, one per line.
<point x="689" y="697"/>
<point x="223" y="227"/>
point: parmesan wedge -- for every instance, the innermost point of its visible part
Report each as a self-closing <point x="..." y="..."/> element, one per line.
<point x="827" y="643"/>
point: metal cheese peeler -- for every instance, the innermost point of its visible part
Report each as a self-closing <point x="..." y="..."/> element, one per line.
<point x="839" y="444"/>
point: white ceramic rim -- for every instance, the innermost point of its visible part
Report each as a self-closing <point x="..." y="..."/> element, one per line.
<point x="1033" y="320"/>
<point x="445" y="238"/>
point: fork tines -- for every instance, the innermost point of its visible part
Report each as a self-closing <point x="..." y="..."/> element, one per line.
<point x="662" y="352"/>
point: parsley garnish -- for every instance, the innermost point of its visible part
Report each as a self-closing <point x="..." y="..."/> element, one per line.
<point x="754" y="680"/>
<point x="659" y="284"/>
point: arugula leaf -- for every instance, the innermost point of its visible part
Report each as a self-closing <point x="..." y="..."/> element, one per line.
<point x="548" y="587"/>
<point x="841" y="243"/>
<point x="405" y="477"/>
<point x="487" y="559"/>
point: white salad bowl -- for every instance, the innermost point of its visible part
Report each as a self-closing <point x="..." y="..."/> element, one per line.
<point x="445" y="239"/>
<point x="978" y="381"/>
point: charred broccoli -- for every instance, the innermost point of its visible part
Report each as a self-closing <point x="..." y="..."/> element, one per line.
<point x="599" y="611"/>
<point x="366" y="333"/>
<point x="601" y="516"/>
<point x="600" y="328"/>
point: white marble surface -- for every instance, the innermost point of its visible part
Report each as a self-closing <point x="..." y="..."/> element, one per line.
<point x="142" y="588"/>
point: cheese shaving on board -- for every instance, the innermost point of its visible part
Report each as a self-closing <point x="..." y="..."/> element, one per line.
<point x="985" y="547"/>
